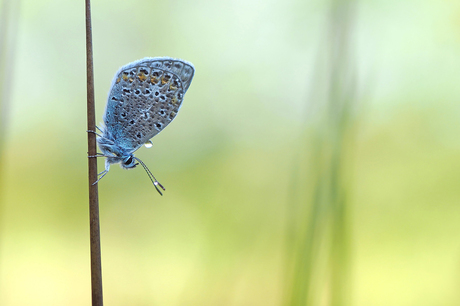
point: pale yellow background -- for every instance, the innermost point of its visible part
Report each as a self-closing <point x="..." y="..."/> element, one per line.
<point x="217" y="236"/>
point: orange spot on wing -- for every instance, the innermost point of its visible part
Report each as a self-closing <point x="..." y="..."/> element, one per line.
<point x="141" y="76"/>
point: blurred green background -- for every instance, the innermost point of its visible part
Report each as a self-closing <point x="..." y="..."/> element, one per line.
<point x="315" y="160"/>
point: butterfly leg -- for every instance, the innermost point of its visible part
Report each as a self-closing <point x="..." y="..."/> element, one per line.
<point x="91" y="131"/>
<point x="100" y="136"/>
<point x="98" y="155"/>
<point x="103" y="173"/>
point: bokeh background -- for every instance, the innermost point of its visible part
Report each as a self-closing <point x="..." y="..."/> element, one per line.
<point x="315" y="160"/>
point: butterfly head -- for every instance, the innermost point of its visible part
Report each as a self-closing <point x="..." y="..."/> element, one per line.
<point x="129" y="162"/>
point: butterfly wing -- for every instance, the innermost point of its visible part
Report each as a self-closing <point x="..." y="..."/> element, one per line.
<point x="144" y="98"/>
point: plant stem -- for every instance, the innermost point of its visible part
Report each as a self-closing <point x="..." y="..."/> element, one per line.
<point x="95" y="237"/>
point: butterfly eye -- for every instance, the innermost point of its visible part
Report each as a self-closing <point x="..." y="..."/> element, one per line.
<point x="129" y="160"/>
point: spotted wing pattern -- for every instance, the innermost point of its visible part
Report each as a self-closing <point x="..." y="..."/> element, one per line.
<point x="144" y="98"/>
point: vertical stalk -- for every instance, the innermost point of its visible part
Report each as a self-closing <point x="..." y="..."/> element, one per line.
<point x="95" y="237"/>
<point x="9" y="16"/>
<point x="321" y="265"/>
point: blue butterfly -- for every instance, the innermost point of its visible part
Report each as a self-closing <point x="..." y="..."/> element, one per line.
<point x="144" y="98"/>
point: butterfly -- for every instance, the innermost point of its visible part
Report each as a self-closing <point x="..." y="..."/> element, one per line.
<point x="145" y="96"/>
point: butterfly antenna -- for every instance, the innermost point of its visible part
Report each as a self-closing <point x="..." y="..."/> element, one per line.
<point x="151" y="177"/>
